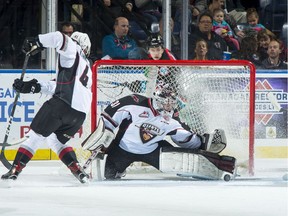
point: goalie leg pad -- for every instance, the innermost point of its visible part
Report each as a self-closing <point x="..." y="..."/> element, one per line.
<point x="101" y="137"/>
<point x="195" y="163"/>
<point x="98" y="168"/>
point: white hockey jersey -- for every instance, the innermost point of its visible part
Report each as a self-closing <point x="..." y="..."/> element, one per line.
<point x="74" y="75"/>
<point x="141" y="127"/>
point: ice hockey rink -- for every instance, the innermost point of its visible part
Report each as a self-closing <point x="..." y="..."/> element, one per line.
<point x="43" y="189"/>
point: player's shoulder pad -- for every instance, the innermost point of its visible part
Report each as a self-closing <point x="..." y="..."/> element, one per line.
<point x="134" y="99"/>
<point x="176" y="114"/>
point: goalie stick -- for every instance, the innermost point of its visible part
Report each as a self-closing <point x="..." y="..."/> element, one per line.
<point x="97" y="153"/>
<point x="3" y="159"/>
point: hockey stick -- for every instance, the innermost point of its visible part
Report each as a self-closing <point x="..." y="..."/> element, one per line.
<point x="3" y="159"/>
<point x="17" y="142"/>
<point x="136" y="86"/>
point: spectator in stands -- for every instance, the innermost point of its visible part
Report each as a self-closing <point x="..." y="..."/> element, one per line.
<point x="108" y="11"/>
<point x="201" y="50"/>
<point x="220" y="4"/>
<point x="150" y="9"/>
<point x="118" y="44"/>
<point x="200" y="5"/>
<point x="248" y="51"/>
<point x="264" y="37"/>
<point x="235" y="9"/>
<point x="223" y="29"/>
<point x="138" y="24"/>
<point x="253" y="23"/>
<point x="175" y="39"/>
<point x="216" y="45"/>
<point x="273" y="61"/>
<point x="67" y="28"/>
<point x="250" y="4"/>
<point x="196" y="7"/>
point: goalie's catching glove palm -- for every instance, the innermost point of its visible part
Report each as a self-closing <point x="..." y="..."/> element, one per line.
<point x="31" y="86"/>
<point x="32" y="45"/>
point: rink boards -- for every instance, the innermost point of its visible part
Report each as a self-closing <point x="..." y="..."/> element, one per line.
<point x="270" y="125"/>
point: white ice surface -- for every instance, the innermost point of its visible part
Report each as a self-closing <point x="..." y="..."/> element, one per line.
<point x="40" y="190"/>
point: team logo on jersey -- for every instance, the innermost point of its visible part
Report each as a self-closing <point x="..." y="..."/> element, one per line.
<point x="144" y="115"/>
<point x="135" y="98"/>
<point x="148" y="132"/>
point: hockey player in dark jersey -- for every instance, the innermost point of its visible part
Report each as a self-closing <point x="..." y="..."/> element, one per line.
<point x="60" y="117"/>
<point x="142" y="124"/>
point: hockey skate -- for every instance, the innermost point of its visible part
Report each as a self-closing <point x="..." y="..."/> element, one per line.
<point x="120" y="175"/>
<point x="78" y="172"/>
<point x="13" y="172"/>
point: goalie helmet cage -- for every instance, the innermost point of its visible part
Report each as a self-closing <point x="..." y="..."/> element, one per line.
<point x="211" y="94"/>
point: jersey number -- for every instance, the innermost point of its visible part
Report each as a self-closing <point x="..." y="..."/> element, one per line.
<point x="84" y="78"/>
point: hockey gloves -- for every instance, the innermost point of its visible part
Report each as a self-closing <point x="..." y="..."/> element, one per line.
<point x="31" y="86"/>
<point x="32" y="46"/>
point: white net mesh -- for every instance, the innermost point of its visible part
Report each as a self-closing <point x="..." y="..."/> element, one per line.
<point x="209" y="97"/>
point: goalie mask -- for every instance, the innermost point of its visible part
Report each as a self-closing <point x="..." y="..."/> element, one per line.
<point x="165" y="100"/>
<point x="83" y="40"/>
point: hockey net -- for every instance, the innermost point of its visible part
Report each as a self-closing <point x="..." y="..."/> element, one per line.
<point x="211" y="94"/>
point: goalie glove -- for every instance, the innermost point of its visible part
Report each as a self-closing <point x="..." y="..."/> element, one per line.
<point x="31" y="86"/>
<point x="32" y="46"/>
<point x="214" y="142"/>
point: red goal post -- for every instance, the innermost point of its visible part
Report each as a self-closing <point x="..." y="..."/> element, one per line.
<point x="212" y="94"/>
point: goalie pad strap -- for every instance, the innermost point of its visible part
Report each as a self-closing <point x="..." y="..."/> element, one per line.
<point x="100" y="137"/>
<point x="196" y="162"/>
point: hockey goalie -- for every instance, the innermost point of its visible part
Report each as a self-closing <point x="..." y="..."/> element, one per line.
<point x="142" y="124"/>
